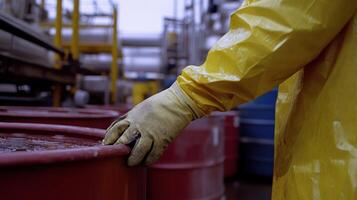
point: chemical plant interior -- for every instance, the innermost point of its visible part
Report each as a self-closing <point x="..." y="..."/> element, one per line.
<point x="66" y="64"/>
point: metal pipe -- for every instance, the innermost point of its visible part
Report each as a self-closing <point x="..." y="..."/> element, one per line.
<point x="175" y="10"/>
<point x="42" y="4"/>
<point x="48" y="25"/>
<point x="114" y="66"/>
<point x="26" y="32"/>
<point x="141" y="41"/>
<point x="42" y="10"/>
<point x="58" y="34"/>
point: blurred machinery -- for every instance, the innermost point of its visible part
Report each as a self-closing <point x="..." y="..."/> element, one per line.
<point x="141" y="62"/>
<point x="26" y="70"/>
<point x="90" y="34"/>
<point x="49" y="47"/>
<point x="76" y="42"/>
<point x="187" y="41"/>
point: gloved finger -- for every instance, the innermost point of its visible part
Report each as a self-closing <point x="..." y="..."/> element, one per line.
<point x="140" y="150"/>
<point x="156" y="152"/>
<point x="128" y="136"/>
<point x="112" y="134"/>
<point x="117" y="120"/>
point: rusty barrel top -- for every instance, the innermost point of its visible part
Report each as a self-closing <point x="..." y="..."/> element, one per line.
<point x="39" y="161"/>
<point x="26" y="144"/>
<point x="94" y="118"/>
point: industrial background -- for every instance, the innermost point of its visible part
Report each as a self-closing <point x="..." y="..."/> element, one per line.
<point x="83" y="63"/>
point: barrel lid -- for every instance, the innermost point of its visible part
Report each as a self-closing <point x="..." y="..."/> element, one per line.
<point x="28" y="144"/>
<point x="52" y="112"/>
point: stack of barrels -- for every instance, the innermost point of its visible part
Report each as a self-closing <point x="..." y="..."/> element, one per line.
<point x="257" y="135"/>
<point x="56" y="153"/>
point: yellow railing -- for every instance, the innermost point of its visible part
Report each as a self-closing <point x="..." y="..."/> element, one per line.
<point x="57" y="90"/>
<point x="76" y="47"/>
<point x="114" y="65"/>
<point x="75" y="31"/>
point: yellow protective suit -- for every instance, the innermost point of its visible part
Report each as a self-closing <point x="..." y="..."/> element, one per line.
<point x="309" y="49"/>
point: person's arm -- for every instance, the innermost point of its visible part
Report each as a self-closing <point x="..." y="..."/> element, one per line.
<point x="268" y="42"/>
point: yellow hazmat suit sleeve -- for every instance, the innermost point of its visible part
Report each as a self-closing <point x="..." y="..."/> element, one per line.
<point x="268" y="41"/>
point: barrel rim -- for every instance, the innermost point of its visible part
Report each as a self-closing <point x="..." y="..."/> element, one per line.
<point x="59" y="155"/>
<point x="56" y="112"/>
<point x="188" y="165"/>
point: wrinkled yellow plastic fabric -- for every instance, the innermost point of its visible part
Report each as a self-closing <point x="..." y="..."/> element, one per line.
<point x="309" y="49"/>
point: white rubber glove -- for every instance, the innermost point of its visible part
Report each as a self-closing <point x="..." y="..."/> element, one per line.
<point x="156" y="122"/>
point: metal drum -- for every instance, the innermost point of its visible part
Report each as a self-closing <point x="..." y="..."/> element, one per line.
<point x="56" y="162"/>
<point x="192" y="166"/>
<point x="257" y="135"/>
<point x="231" y="141"/>
<point x="93" y="118"/>
<point x="121" y="108"/>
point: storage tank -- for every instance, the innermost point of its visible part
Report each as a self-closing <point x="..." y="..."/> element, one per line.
<point x="257" y="135"/>
<point x="57" y="162"/>
<point x="93" y="118"/>
<point x="192" y="166"/>
<point x="231" y="141"/>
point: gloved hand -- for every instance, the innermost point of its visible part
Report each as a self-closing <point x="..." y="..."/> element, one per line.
<point x="155" y="122"/>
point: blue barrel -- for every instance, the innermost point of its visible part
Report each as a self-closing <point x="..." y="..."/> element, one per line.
<point x="257" y="135"/>
<point x="168" y="81"/>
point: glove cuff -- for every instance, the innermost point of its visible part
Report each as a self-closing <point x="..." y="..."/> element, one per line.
<point x="186" y="100"/>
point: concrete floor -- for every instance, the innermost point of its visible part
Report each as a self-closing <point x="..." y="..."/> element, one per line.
<point x="251" y="189"/>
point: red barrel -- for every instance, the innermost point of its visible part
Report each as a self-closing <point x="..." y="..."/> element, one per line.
<point x="64" y="162"/>
<point x="120" y="108"/>
<point x="231" y="141"/>
<point x="94" y="118"/>
<point x="192" y="166"/>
